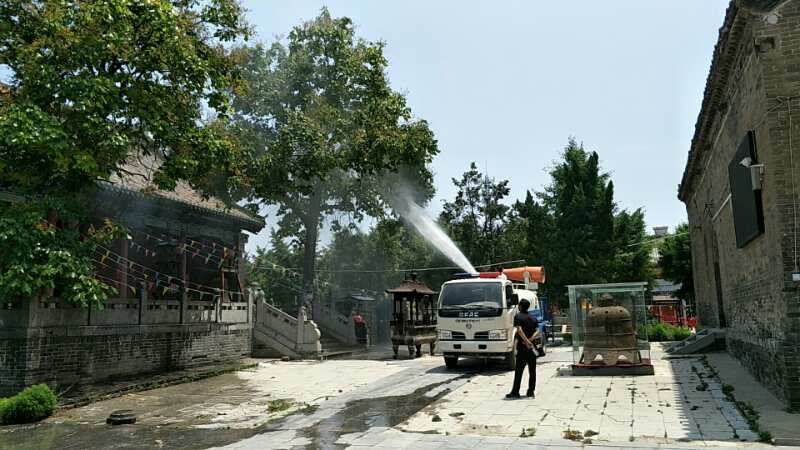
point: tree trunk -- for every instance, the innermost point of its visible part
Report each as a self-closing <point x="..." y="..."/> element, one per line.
<point x="311" y="225"/>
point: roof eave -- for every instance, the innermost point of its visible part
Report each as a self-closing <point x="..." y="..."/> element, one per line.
<point x="252" y="225"/>
<point x="729" y="36"/>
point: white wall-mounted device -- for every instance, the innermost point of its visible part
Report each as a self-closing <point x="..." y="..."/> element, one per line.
<point x="756" y="172"/>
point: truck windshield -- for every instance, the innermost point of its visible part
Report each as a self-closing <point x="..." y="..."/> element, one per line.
<point x="472" y="295"/>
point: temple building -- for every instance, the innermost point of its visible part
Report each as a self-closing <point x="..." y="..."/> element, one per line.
<point x="181" y="298"/>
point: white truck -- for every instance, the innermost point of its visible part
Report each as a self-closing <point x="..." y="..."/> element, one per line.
<point x="476" y="316"/>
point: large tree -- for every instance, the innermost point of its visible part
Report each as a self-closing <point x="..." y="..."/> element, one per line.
<point x="375" y="260"/>
<point x="676" y="261"/>
<point x="590" y="240"/>
<point x="476" y="217"/>
<point x="325" y="130"/>
<point x="89" y="84"/>
<point x="580" y="199"/>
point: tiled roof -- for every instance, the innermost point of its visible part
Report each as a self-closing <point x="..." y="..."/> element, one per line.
<point x="137" y="178"/>
<point x="412" y="286"/>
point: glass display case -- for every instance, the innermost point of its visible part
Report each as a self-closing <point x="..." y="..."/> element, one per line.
<point x="609" y="329"/>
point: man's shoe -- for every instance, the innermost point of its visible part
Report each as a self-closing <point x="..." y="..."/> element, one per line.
<point x="512" y="395"/>
<point x="530" y="394"/>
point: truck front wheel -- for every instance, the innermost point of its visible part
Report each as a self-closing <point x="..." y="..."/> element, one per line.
<point x="511" y="357"/>
<point x="451" y="362"/>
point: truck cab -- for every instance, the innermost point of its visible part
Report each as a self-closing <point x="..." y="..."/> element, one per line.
<point x="476" y="318"/>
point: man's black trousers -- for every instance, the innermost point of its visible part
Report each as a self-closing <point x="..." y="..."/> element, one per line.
<point x="525" y="358"/>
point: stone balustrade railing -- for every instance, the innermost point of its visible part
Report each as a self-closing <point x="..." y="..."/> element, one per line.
<point x="291" y="336"/>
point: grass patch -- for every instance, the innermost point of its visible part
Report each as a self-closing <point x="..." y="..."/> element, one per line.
<point x="274" y="406"/>
<point x="31" y="405"/>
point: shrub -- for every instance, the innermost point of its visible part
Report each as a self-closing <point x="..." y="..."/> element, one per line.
<point x="658" y="332"/>
<point x="31" y="405"/>
<point x="680" y="333"/>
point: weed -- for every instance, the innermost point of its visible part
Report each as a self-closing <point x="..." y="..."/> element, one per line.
<point x="727" y="389"/>
<point x="765" y="436"/>
<point x="573" y="435"/>
<point x="590" y="433"/>
<point x="274" y="406"/>
<point x="528" y="432"/>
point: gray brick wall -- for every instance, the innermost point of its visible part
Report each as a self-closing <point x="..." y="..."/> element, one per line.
<point x="88" y="358"/>
<point x="759" y="301"/>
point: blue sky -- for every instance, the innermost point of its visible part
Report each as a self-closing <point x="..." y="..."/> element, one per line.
<point x="506" y="83"/>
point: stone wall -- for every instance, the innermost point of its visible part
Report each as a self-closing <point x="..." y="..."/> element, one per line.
<point x="50" y="342"/>
<point x="749" y="290"/>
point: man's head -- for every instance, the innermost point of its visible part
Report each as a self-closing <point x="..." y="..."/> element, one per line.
<point x="524" y="304"/>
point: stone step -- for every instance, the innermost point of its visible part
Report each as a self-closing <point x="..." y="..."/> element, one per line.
<point x="697" y="343"/>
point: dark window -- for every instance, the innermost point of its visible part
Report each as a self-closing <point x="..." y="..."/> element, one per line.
<point x="748" y="213"/>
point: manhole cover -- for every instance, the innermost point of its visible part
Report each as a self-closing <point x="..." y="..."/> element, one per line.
<point x="120" y="417"/>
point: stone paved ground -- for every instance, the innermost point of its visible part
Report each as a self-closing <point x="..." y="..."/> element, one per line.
<point x="416" y="404"/>
<point x="667" y="407"/>
<point x="466" y="409"/>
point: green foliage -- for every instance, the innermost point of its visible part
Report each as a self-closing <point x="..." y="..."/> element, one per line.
<point x="92" y="81"/>
<point x="31" y="405"/>
<point x="575" y="229"/>
<point x="324" y="129"/>
<point x="476" y="217"/>
<point x="664" y="332"/>
<point x="274" y="272"/>
<point x="590" y="240"/>
<point x="530" y="226"/>
<point x="676" y="261"/>
<point x="92" y="84"/>
<point x="371" y="260"/>
<point x="727" y="389"/>
<point x="39" y="258"/>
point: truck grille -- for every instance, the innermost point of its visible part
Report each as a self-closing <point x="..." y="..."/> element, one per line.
<point x="482" y="336"/>
<point x="458" y="336"/>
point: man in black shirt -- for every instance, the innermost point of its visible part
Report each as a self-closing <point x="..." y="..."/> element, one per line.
<point x="527" y="331"/>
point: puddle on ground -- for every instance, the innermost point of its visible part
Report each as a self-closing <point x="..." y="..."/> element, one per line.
<point x="361" y="415"/>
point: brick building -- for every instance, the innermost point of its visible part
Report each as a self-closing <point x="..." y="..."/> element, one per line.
<point x="741" y="187"/>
